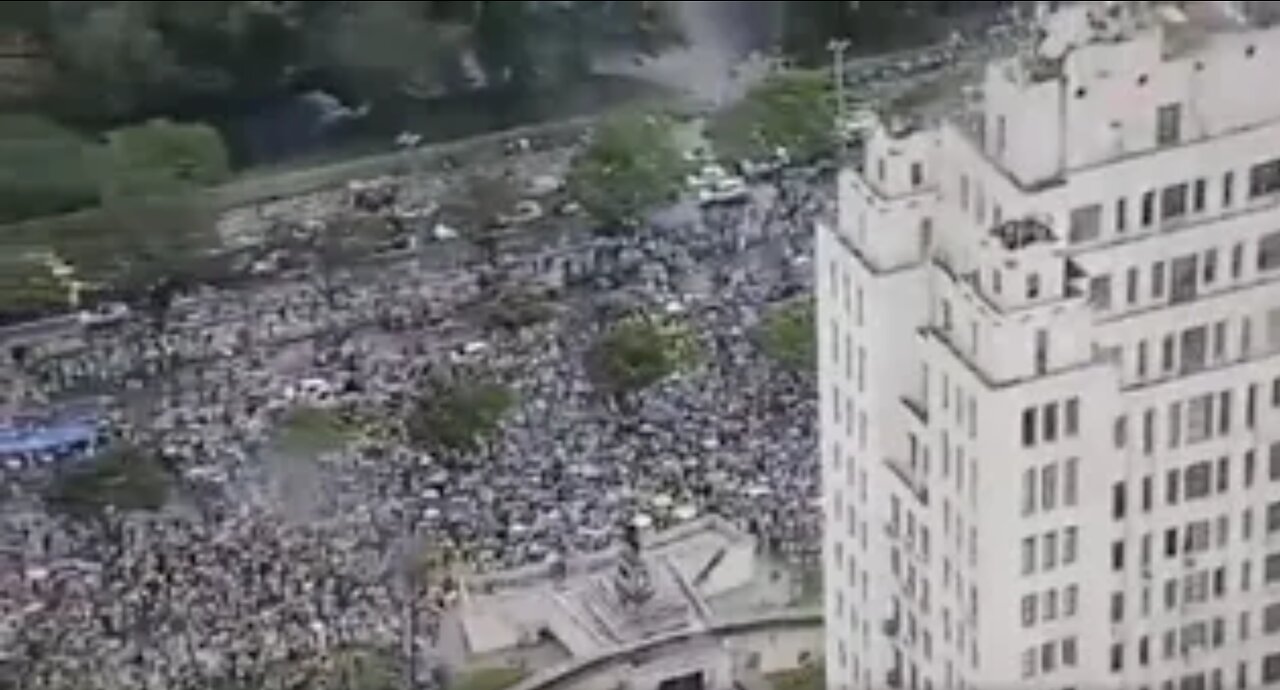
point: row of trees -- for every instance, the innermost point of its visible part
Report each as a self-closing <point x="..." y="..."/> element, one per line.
<point x="48" y="169"/>
<point x="124" y="59"/>
<point x="633" y="164"/>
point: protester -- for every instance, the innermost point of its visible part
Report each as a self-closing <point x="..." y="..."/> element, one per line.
<point x="268" y="560"/>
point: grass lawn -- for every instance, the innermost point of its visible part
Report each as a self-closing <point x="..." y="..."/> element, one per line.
<point x="492" y="678"/>
<point x="807" y="677"/>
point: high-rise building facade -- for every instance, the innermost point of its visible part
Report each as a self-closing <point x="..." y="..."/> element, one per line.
<point x="1049" y="345"/>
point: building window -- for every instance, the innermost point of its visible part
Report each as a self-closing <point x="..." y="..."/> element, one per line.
<point x="1157" y="280"/>
<point x="1198" y="480"/>
<point x="1173" y="201"/>
<point x="1048" y="656"/>
<point x="1049" y="560"/>
<point x="1237" y="261"/>
<point x="1029" y="603"/>
<point x="1028" y="555"/>
<point x="1069" y="654"/>
<point x="1194" y="349"/>
<point x="1100" y="292"/>
<point x="1050" y="432"/>
<point x="1166" y="354"/>
<point x="1120" y="432"/>
<point x="1029" y="427"/>
<point x="1071" y="482"/>
<point x="1210" y="266"/>
<point x="1117" y="658"/>
<point x="1071" y="412"/>
<point x="1220" y="341"/>
<point x="1118" y="502"/>
<point x="1085" y="223"/>
<point x="1069" y="545"/>
<point x="1033" y="286"/>
<point x="917" y="175"/>
<point x="1184" y="276"/>
<point x="1029" y="491"/>
<point x="1131" y="286"/>
<point x="1198" y="194"/>
<point x="1122" y="214"/>
<point x="1051" y="605"/>
<point x="1200" y="418"/>
<point x="1273" y="517"/>
<point x="1269" y="251"/>
<point x="1148" y="208"/>
<point x="1175" y="424"/>
<point x="1117" y="607"/>
<point x="1117" y="556"/>
<point x="1148" y="431"/>
<point x="1271" y="668"/>
<point x="1141" y="363"/>
<point x="1264" y="178"/>
<point x="1048" y="487"/>
<point x="1168" y="124"/>
<point x="1171" y="487"/>
<point x="1224" y="474"/>
<point x="1271" y="619"/>
<point x="1147" y="492"/>
<point x="1224" y="413"/>
<point x="1029" y="657"/>
<point x="1228" y="181"/>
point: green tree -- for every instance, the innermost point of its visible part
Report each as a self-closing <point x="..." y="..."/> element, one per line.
<point x="795" y="112"/>
<point x="110" y="56"/>
<point x="125" y="478"/>
<point x="630" y="165"/>
<point x="163" y="158"/>
<point x="44" y="169"/>
<point x="457" y="415"/>
<point x="788" y="335"/>
<point x="28" y="287"/>
<point x="637" y="352"/>
<point x="384" y="47"/>
<point x="118" y="59"/>
<point x="144" y="251"/>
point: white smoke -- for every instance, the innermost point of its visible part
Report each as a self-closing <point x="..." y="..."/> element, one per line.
<point x="714" y="66"/>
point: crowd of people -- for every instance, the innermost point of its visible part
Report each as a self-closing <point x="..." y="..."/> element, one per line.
<point x="271" y="562"/>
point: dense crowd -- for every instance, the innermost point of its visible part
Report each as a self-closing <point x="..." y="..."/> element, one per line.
<point x="271" y="561"/>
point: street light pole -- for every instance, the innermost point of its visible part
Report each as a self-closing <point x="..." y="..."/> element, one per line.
<point x="838" y="46"/>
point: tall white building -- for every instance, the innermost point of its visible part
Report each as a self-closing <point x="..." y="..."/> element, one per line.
<point x="1049" y="343"/>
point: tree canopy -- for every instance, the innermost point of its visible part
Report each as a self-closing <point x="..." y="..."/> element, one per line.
<point x="456" y="415"/>
<point x="29" y="287"/>
<point x="640" y="351"/>
<point x="44" y="168"/>
<point x="630" y="165"/>
<point x="795" y="112"/>
<point x="124" y="478"/>
<point x="162" y="158"/>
